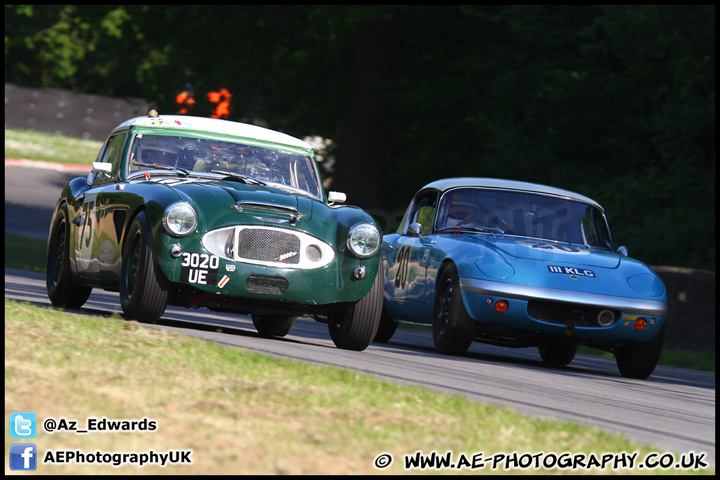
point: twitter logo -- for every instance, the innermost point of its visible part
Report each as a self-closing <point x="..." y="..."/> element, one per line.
<point x="23" y="425"/>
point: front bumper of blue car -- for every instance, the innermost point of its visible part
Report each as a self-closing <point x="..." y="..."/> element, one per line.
<point x="553" y="311"/>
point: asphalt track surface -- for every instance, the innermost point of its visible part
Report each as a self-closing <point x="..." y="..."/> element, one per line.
<point x="674" y="410"/>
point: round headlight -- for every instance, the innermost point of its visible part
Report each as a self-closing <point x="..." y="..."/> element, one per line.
<point x="180" y="219"/>
<point x="364" y="240"/>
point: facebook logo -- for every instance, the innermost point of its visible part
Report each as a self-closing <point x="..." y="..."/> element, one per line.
<point x="23" y="456"/>
<point x="23" y="425"/>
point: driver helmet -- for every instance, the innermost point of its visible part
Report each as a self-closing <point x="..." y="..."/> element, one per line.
<point x="159" y="150"/>
<point x="188" y="156"/>
<point x="462" y="209"/>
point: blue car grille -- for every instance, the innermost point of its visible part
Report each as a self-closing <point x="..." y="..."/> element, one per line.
<point x="264" y="245"/>
<point x="565" y="313"/>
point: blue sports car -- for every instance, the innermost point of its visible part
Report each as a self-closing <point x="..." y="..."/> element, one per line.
<point x="519" y="264"/>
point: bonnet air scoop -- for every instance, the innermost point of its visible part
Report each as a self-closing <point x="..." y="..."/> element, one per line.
<point x="250" y="206"/>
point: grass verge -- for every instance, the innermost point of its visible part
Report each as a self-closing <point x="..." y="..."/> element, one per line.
<point x="246" y="413"/>
<point x="48" y="147"/>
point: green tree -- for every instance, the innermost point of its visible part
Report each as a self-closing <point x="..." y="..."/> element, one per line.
<point x="616" y="102"/>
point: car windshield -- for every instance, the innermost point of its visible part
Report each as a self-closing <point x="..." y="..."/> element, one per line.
<point x="523" y="214"/>
<point x="252" y="164"/>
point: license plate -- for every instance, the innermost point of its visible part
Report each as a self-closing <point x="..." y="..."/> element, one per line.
<point x="199" y="268"/>
<point x="580" y="272"/>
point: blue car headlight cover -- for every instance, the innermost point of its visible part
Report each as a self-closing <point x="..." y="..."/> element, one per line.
<point x="646" y="284"/>
<point x="494" y="266"/>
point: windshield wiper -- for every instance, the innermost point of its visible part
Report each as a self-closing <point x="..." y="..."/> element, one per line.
<point x="243" y="178"/>
<point x="163" y="167"/>
<point x="466" y="228"/>
<point x="291" y="189"/>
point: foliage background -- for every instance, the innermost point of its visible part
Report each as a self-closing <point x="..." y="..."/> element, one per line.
<point x="616" y="102"/>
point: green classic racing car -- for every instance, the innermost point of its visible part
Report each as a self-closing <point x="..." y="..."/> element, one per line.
<point x="199" y="212"/>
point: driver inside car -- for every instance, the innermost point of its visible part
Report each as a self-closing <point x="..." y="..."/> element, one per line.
<point x="158" y="150"/>
<point x="462" y="211"/>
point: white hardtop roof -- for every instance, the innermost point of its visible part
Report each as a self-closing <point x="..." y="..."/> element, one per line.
<point x="497" y="183"/>
<point x="214" y="125"/>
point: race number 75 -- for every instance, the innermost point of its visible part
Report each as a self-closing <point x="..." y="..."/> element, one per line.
<point x="87" y="210"/>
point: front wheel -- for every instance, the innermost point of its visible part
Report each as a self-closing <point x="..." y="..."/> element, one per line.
<point x="386" y="328"/>
<point x="273" y="325"/>
<point x="143" y="287"/>
<point x="62" y="290"/>
<point x="353" y="325"/>
<point x="453" y="328"/>
<point x="638" y="360"/>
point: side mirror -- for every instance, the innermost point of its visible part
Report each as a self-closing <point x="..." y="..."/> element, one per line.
<point x="98" y="167"/>
<point x="336" y="197"/>
<point x="415" y="229"/>
<point x="102" y="167"/>
<point x="622" y="250"/>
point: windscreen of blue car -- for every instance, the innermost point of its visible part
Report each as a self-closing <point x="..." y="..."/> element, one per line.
<point x="523" y="214"/>
<point x="198" y="155"/>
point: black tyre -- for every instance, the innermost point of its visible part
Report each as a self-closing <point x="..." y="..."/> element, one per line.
<point x="386" y="327"/>
<point x="453" y="328"/>
<point x="638" y="360"/>
<point x="61" y="289"/>
<point x="353" y="325"/>
<point x="558" y="353"/>
<point x="273" y="325"/>
<point x="143" y="287"/>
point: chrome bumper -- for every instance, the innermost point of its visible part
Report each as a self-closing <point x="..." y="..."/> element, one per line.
<point x="654" y="308"/>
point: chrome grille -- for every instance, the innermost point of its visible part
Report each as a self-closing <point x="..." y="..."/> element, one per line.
<point x="265" y="245"/>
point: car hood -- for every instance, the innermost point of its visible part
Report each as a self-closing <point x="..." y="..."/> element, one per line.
<point x="547" y="251"/>
<point x="219" y="202"/>
<point x="230" y="193"/>
<point x="557" y="265"/>
<point x="551" y="251"/>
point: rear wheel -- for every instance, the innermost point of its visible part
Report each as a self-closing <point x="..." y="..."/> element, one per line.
<point x="353" y="325"/>
<point x="143" y="287"/>
<point x="453" y="328"/>
<point x="61" y="289"/>
<point x="558" y="353"/>
<point x="638" y="360"/>
<point x="273" y="325"/>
